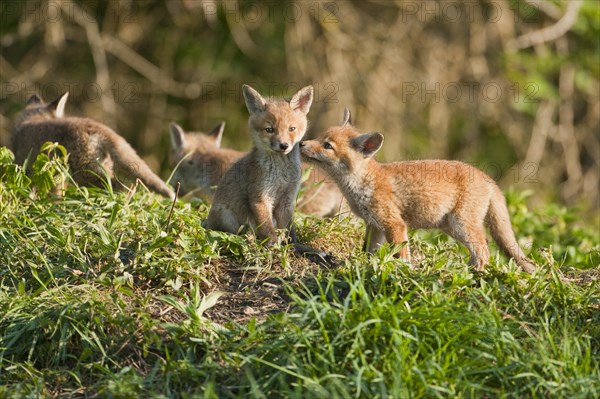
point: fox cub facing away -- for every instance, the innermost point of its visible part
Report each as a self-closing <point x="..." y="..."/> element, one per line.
<point x="450" y="195"/>
<point x="259" y="190"/>
<point x="200" y="162"/>
<point x="94" y="149"/>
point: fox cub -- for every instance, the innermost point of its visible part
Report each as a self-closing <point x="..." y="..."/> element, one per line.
<point x="259" y="190"/>
<point x="200" y="162"/>
<point x="450" y="195"/>
<point x="94" y="149"/>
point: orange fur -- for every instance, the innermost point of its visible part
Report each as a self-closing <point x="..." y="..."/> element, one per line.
<point x="450" y="195"/>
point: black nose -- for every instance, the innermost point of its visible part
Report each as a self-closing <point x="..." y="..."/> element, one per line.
<point x="302" y="144"/>
<point x="284" y="146"/>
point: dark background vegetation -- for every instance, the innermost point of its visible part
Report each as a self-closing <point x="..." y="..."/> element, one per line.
<point x="511" y="86"/>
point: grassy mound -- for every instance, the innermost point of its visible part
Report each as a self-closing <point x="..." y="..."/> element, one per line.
<point x="125" y="295"/>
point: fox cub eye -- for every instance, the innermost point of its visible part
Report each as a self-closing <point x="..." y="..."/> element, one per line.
<point x="269" y="130"/>
<point x="327" y="146"/>
<point x="292" y="128"/>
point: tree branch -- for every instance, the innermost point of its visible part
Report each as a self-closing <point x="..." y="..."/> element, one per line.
<point x="549" y="33"/>
<point x="541" y="128"/>
<point x="149" y="70"/>
<point x="548" y="8"/>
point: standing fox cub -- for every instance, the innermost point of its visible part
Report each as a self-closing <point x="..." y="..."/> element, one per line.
<point x="200" y="162"/>
<point x="259" y="190"/>
<point x="450" y="195"/>
<point x="94" y="149"/>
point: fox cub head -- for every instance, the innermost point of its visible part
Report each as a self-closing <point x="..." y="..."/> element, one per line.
<point x="37" y="109"/>
<point x="342" y="149"/>
<point x="194" y="156"/>
<point x="277" y="125"/>
<point x="195" y="144"/>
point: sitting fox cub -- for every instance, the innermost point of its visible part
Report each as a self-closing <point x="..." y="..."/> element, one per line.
<point x="259" y="190"/>
<point x="448" y="195"/>
<point x="94" y="149"/>
<point x="200" y="162"/>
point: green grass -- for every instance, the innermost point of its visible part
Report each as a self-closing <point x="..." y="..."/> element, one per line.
<point x="104" y="294"/>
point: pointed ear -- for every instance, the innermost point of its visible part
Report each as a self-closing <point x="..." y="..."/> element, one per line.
<point x="302" y="100"/>
<point x="177" y="136"/>
<point x="217" y="133"/>
<point x="254" y="101"/>
<point x="58" y="105"/>
<point x="368" y="143"/>
<point x="347" y="118"/>
<point x="35" y="99"/>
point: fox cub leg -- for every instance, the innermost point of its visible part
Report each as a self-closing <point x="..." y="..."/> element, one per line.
<point x="395" y="232"/>
<point x="222" y="219"/>
<point x="472" y="235"/>
<point x="265" y="228"/>
<point x="283" y="214"/>
<point x="374" y="238"/>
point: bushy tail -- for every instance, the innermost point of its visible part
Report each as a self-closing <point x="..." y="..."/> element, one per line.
<point x="498" y="222"/>
<point x="126" y="160"/>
